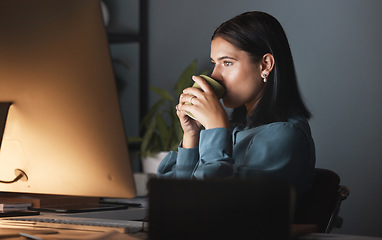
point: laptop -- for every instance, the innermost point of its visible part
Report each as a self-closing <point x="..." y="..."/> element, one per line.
<point x="258" y="208"/>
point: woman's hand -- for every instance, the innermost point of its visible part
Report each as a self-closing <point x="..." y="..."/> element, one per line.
<point x="205" y="107"/>
<point x="191" y="128"/>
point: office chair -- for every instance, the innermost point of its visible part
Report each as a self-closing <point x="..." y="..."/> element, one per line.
<point x="321" y="204"/>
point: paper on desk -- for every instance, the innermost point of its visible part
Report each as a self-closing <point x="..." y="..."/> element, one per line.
<point x="73" y="234"/>
<point x="15" y="232"/>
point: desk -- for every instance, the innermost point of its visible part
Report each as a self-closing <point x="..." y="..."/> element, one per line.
<point x="136" y="214"/>
<point x="72" y="234"/>
<point x="14" y="234"/>
<point x="131" y="214"/>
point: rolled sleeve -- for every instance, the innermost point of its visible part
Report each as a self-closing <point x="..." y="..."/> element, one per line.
<point x="215" y="148"/>
<point x="179" y="164"/>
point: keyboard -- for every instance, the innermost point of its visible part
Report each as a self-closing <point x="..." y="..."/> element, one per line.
<point x="72" y="223"/>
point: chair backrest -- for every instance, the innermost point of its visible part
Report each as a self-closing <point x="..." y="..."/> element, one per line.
<point x="320" y="205"/>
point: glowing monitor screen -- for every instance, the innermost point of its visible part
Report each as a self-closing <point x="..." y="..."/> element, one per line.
<point x="64" y="128"/>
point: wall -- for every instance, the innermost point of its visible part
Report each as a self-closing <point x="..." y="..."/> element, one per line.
<point x="336" y="47"/>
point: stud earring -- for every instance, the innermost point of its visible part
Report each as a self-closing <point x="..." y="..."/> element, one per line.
<point x="264" y="78"/>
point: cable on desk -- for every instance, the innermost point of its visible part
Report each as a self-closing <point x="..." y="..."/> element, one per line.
<point x="144" y="228"/>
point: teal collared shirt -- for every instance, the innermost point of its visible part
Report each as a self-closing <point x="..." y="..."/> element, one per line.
<point x="281" y="149"/>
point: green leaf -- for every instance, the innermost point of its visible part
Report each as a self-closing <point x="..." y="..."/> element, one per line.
<point x="134" y="139"/>
<point x="163" y="93"/>
<point x="153" y="111"/>
<point x="205" y="72"/>
<point x="155" y="145"/>
<point x="148" y="135"/>
<point x="176" y="127"/>
<point x="163" y="132"/>
<point x="185" y="79"/>
<point x="176" y="132"/>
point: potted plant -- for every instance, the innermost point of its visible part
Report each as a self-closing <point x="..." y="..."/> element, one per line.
<point x="162" y="130"/>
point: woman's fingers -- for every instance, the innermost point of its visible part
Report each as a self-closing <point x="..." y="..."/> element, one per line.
<point x="202" y="83"/>
<point x="184" y="98"/>
<point x="202" y="87"/>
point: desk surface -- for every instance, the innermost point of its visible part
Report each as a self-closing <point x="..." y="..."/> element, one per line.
<point x="112" y="235"/>
<point x="47" y="232"/>
<point x="127" y="215"/>
<point x="13" y="234"/>
<point x="133" y="214"/>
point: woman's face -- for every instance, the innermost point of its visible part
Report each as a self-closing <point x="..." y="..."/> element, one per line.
<point x="240" y="76"/>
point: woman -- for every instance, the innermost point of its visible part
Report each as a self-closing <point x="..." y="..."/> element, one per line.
<point x="270" y="134"/>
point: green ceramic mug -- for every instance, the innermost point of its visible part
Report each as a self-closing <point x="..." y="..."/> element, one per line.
<point x="216" y="87"/>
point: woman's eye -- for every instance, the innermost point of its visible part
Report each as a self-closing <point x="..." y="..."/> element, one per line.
<point x="227" y="64"/>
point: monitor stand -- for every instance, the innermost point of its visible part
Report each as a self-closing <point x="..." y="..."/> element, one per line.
<point x="62" y="203"/>
<point x="4" y="108"/>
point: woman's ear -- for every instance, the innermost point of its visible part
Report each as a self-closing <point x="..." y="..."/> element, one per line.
<point x="267" y="64"/>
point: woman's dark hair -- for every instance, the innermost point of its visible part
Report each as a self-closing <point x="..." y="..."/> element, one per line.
<point x="258" y="33"/>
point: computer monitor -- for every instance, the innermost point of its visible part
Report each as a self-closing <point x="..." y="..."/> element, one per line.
<point x="64" y="128"/>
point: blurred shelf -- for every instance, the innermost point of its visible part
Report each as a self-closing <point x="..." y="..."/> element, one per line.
<point x="141" y="38"/>
<point x="123" y="38"/>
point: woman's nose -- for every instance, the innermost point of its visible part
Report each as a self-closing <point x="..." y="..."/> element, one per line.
<point x="216" y="74"/>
